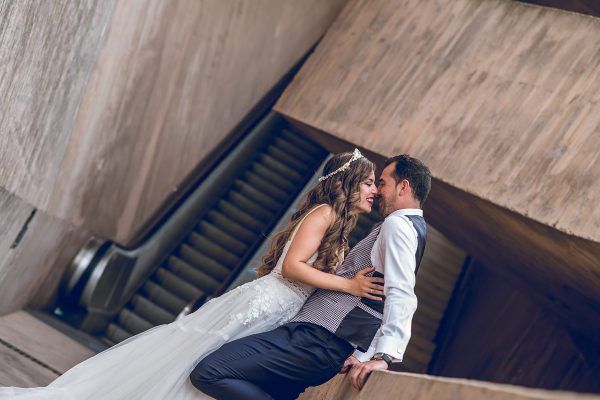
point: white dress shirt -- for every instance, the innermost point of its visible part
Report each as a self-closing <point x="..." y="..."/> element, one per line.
<point x="393" y="255"/>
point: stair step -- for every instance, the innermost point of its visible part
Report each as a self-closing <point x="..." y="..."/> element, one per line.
<point x="212" y="250"/>
<point x="240" y="215"/>
<point x="224" y="239"/>
<point x="294" y="151"/>
<point x="150" y="311"/>
<point x="273" y="178"/>
<point x="115" y="334"/>
<point x="175" y="284"/>
<point x="162" y="296"/>
<point x="258" y="196"/>
<point x="250" y="205"/>
<point x="258" y="182"/>
<point x="132" y="322"/>
<point x="228" y="225"/>
<point x="281" y="169"/>
<point x="287" y="159"/>
<point x="200" y="261"/>
<point x="196" y="277"/>
<point x="305" y="144"/>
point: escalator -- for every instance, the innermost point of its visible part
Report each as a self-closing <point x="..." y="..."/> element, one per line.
<point x="113" y="293"/>
<point x="221" y="241"/>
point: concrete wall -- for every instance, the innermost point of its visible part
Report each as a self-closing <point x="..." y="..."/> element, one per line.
<point x="107" y="106"/>
<point x="394" y="385"/>
<point x="500" y="99"/>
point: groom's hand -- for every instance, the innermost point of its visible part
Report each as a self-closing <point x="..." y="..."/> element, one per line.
<point x="360" y="372"/>
<point x="350" y="361"/>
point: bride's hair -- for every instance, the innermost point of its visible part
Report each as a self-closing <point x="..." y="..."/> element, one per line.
<point x="342" y="192"/>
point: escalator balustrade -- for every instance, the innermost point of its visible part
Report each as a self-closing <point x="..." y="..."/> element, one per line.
<point x="224" y="238"/>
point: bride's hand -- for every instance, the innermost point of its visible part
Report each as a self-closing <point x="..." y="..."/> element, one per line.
<point x="366" y="286"/>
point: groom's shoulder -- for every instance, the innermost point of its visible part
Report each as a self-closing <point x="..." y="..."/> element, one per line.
<point x="396" y="222"/>
<point x="396" y="225"/>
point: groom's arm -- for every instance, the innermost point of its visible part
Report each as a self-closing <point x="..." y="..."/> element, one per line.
<point x="397" y="251"/>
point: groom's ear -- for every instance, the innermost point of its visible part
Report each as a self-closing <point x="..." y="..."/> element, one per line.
<point x="403" y="188"/>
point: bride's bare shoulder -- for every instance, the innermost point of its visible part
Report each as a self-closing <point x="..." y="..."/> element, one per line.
<point x="323" y="214"/>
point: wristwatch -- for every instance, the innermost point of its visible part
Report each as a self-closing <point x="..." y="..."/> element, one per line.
<point x="382" y="356"/>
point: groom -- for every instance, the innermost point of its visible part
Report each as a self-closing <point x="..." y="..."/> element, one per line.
<point x="320" y="340"/>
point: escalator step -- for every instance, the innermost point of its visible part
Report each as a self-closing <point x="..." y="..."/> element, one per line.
<point x="273" y="178"/>
<point x="203" y="263"/>
<point x="224" y="239"/>
<point x="115" y="334"/>
<point x="245" y="203"/>
<point x="241" y="216"/>
<point x="265" y="186"/>
<point x="306" y="145"/>
<point x="258" y="196"/>
<point x="293" y="150"/>
<point x="212" y="250"/>
<point x="132" y="322"/>
<point x="160" y="295"/>
<point x="150" y="311"/>
<point x="190" y="274"/>
<point x="174" y="284"/>
<point x="281" y="169"/>
<point x="287" y="159"/>
<point x="228" y="225"/>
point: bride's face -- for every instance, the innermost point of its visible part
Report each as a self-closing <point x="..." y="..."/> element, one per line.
<point x="368" y="191"/>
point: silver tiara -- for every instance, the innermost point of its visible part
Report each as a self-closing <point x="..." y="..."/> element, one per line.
<point x="355" y="156"/>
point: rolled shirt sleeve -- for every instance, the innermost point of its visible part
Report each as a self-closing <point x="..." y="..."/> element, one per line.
<point x="396" y="251"/>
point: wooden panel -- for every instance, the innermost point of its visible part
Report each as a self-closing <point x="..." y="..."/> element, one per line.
<point x="47" y="53"/>
<point x="437" y="276"/>
<point x="557" y="271"/>
<point x="383" y="385"/>
<point x="41" y="342"/>
<point x="173" y="78"/>
<point x="52" y="265"/>
<point x="499" y="98"/>
<point x="13" y="214"/>
<point x="523" y="344"/>
<point x="20" y="371"/>
<point x="32" y="265"/>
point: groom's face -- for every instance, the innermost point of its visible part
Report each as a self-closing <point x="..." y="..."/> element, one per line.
<point x="388" y="193"/>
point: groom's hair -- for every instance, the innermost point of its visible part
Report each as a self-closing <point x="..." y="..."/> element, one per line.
<point x="415" y="172"/>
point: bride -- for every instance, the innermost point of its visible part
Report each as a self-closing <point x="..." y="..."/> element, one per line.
<point x="156" y="364"/>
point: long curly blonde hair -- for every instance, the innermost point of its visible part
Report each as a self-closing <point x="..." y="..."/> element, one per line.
<point x="342" y="192"/>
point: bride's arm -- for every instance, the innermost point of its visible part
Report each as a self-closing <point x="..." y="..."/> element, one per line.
<point x="306" y="243"/>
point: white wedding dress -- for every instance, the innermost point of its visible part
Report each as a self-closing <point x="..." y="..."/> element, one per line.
<point x="156" y="364"/>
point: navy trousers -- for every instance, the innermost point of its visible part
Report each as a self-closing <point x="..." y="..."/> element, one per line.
<point x="278" y="364"/>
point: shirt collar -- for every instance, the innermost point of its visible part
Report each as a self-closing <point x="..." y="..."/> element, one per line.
<point x="408" y="211"/>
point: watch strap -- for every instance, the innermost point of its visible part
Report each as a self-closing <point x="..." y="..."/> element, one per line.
<point x="384" y="357"/>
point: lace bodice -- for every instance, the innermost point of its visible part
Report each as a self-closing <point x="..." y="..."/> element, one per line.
<point x="300" y="288"/>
